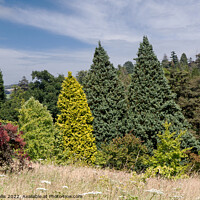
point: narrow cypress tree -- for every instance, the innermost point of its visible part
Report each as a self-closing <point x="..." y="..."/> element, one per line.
<point x="75" y="122"/>
<point x="2" y="90"/>
<point x="106" y="98"/>
<point x="151" y="100"/>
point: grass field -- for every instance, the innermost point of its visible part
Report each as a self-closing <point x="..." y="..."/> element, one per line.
<point x="92" y="183"/>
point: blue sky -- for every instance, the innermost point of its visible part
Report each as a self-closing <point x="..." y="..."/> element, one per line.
<point x="61" y="35"/>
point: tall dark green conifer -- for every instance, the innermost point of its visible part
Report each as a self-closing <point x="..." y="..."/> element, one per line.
<point x="151" y="100"/>
<point x="174" y="59"/>
<point x="106" y="98"/>
<point x="2" y="90"/>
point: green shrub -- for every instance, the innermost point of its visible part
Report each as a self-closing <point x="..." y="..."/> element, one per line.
<point x="168" y="160"/>
<point x="125" y="152"/>
<point x="37" y="123"/>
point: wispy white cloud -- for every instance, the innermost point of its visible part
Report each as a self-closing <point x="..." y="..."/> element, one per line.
<point x="88" y="22"/>
<point x="169" y="19"/>
<point x="17" y="63"/>
<point x="93" y="20"/>
<point x="119" y="24"/>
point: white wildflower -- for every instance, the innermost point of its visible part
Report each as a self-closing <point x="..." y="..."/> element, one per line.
<point x="2" y="175"/>
<point x="44" y="189"/>
<point x="64" y="186"/>
<point x="154" y="191"/>
<point x="48" y="182"/>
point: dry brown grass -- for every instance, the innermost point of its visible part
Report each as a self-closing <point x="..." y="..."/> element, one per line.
<point x="113" y="184"/>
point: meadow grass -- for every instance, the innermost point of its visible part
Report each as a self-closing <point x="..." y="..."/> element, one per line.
<point x="94" y="183"/>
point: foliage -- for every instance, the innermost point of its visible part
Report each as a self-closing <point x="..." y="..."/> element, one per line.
<point x="106" y="98"/>
<point x="168" y="159"/>
<point x="152" y="102"/>
<point x="2" y="89"/>
<point x="37" y="123"/>
<point x="165" y="62"/>
<point x="174" y="59"/>
<point x="61" y="156"/>
<point x="124" y="77"/>
<point x="10" y="108"/>
<point x="23" y="84"/>
<point x="189" y="101"/>
<point x="75" y="122"/>
<point x="11" y="148"/>
<point x="194" y="165"/>
<point x="129" y="67"/>
<point x="45" y="88"/>
<point x="125" y="152"/>
<point x="183" y="60"/>
<point x="4" y="122"/>
<point x="177" y="80"/>
<point x="187" y="91"/>
<point x="81" y="75"/>
<point x="197" y="61"/>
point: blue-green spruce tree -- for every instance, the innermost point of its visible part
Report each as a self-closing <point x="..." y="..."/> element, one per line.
<point x="151" y="101"/>
<point x="106" y="98"/>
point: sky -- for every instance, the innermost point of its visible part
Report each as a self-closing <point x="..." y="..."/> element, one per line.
<point x="61" y="35"/>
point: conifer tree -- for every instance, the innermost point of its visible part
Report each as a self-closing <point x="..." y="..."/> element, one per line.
<point x="37" y="124"/>
<point x="184" y="60"/>
<point x="2" y="90"/>
<point x="151" y="100"/>
<point x="75" y="122"/>
<point x="174" y="59"/>
<point x="106" y="98"/>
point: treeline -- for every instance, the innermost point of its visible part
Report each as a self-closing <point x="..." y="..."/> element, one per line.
<point x="117" y="118"/>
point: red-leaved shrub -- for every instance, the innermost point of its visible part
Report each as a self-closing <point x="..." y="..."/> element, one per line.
<point x="12" y="155"/>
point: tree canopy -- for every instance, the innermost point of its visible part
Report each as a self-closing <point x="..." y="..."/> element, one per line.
<point x="45" y="88"/>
